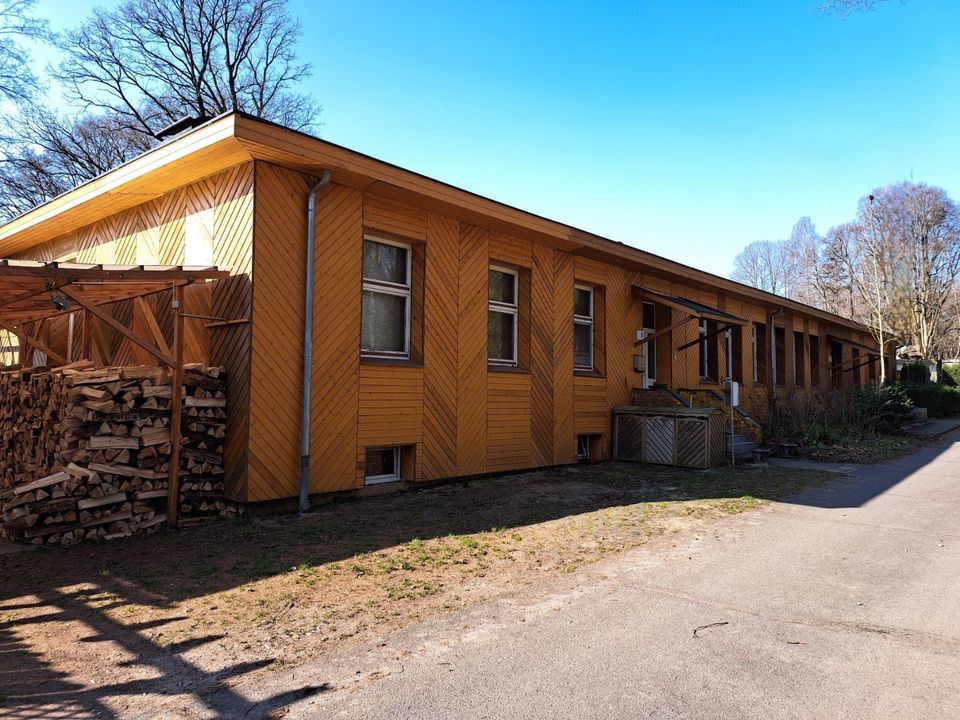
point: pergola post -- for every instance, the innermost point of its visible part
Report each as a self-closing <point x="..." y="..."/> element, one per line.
<point x="176" y="408"/>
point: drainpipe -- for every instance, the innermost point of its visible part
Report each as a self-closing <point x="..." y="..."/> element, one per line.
<point x="308" y="346"/>
<point x="772" y="339"/>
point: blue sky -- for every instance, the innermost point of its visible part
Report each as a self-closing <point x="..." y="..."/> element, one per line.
<point x="685" y="128"/>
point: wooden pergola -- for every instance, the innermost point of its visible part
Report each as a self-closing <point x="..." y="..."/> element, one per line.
<point x="33" y="292"/>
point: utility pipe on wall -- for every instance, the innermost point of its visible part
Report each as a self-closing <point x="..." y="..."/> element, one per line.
<point x="308" y="345"/>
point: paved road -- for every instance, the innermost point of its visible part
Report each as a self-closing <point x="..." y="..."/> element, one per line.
<point x="842" y="604"/>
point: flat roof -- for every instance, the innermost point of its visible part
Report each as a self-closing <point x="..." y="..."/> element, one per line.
<point x="235" y="137"/>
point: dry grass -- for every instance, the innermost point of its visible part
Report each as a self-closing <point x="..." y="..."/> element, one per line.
<point x="282" y="590"/>
<point x="202" y="608"/>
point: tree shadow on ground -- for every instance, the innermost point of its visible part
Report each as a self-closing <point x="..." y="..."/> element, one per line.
<point x="82" y="583"/>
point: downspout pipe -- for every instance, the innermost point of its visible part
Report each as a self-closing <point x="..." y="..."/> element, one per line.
<point x="308" y="345"/>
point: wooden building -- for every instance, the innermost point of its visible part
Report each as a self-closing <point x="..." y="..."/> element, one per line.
<point x="453" y="335"/>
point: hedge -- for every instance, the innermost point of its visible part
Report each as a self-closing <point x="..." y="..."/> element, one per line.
<point x="939" y="400"/>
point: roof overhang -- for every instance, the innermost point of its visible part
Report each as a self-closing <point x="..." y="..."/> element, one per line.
<point x="235" y="138"/>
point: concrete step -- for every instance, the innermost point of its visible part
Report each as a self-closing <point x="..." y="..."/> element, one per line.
<point x="742" y="449"/>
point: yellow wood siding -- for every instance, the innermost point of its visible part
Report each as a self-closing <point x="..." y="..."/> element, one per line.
<point x="440" y="342"/>
<point x="472" y="351"/>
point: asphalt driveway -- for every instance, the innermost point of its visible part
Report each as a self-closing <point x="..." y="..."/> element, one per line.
<point x="843" y="603"/>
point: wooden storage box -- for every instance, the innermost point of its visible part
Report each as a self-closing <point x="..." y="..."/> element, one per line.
<point x="688" y="437"/>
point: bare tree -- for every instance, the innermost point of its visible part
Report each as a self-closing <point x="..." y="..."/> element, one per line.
<point x="833" y="282"/>
<point x="60" y="154"/>
<point x="767" y="264"/>
<point x="804" y="247"/>
<point x="17" y="81"/>
<point x="148" y="63"/>
<point x="139" y="67"/>
<point x="872" y="275"/>
<point x="933" y="237"/>
<point x="844" y="8"/>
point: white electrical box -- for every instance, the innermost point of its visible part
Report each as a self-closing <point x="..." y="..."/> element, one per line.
<point x="731" y="392"/>
<point x="641" y="335"/>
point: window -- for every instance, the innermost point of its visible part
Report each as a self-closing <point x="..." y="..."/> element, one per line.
<point x="385" y="325"/>
<point x="382" y="465"/>
<point x="708" y="350"/>
<point x="583" y="448"/>
<point x="650" y="347"/>
<point x="583" y="308"/>
<point x="814" y="361"/>
<point x="734" y="352"/>
<point x="590" y="447"/>
<point x="836" y="360"/>
<point x="798" y="370"/>
<point x="780" y="356"/>
<point x="704" y="359"/>
<point x="503" y="293"/>
<point x="759" y="353"/>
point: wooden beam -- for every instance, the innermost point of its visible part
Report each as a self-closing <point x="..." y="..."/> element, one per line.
<point x="176" y="409"/>
<point x="100" y="342"/>
<point x="227" y="323"/>
<point x="151" y="321"/>
<point x="112" y="273"/>
<point x="674" y="326"/>
<point x="26" y="342"/>
<point x="120" y="327"/>
<point x="704" y="337"/>
<point x="871" y="359"/>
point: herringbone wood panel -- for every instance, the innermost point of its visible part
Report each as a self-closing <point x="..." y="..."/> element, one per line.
<point x="541" y="356"/>
<point x="277" y="352"/>
<point x="564" y="442"/>
<point x="336" y="376"/>
<point x="472" y="351"/>
<point x="440" y="342"/>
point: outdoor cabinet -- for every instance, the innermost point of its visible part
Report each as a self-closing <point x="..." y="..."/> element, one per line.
<point x="689" y="437"/>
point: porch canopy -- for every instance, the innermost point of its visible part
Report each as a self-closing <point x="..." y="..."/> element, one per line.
<point x="694" y="311"/>
<point x="33" y="292"/>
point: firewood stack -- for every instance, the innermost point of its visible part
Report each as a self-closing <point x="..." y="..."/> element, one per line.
<point x="86" y="451"/>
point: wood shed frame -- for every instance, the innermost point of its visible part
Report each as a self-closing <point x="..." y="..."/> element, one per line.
<point x="33" y="292"/>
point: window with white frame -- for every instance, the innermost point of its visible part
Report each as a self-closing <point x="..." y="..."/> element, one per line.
<point x="385" y="324"/>
<point x="650" y="352"/>
<point x="728" y="351"/>
<point x="704" y="355"/>
<point x="503" y="297"/>
<point x="382" y="465"/>
<point x="583" y="327"/>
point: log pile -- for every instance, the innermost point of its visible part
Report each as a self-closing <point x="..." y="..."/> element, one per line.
<point x="85" y="451"/>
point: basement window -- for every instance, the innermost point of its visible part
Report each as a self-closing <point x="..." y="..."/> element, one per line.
<point x="583" y="448"/>
<point x="504" y="301"/>
<point x="382" y="465"/>
<point x="589" y="447"/>
<point x="385" y="325"/>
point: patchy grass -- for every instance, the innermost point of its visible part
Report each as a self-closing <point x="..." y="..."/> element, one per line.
<point x="288" y="589"/>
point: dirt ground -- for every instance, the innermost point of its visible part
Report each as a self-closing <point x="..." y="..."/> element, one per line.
<point x="131" y="628"/>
